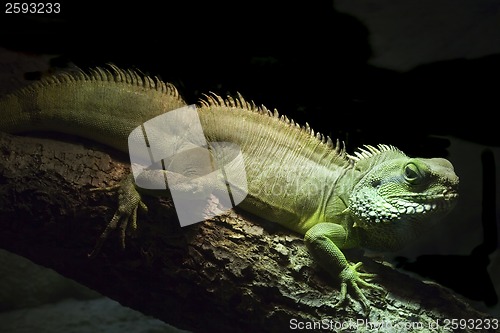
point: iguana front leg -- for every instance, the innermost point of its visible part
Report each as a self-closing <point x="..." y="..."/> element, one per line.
<point x="324" y="241"/>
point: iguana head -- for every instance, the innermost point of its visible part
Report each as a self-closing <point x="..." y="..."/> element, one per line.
<point x="398" y="196"/>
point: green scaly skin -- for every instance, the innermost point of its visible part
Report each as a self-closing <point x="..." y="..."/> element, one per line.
<point x="378" y="198"/>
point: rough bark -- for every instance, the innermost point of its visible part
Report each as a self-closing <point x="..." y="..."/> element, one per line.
<point x="234" y="273"/>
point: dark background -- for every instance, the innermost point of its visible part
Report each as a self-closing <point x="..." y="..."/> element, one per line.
<point x="306" y="59"/>
<point x="316" y="64"/>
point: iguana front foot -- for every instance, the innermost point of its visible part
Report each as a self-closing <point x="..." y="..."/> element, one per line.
<point x="324" y="241"/>
<point x="125" y="217"/>
<point x="351" y="278"/>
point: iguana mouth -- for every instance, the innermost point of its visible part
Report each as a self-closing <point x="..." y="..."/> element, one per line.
<point x="423" y="203"/>
<point x="447" y="195"/>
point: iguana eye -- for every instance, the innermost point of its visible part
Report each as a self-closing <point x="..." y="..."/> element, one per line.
<point x="412" y="173"/>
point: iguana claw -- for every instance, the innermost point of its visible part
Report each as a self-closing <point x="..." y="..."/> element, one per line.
<point x="352" y="278"/>
<point x="125" y="217"/>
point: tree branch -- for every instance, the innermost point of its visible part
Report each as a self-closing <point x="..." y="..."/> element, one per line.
<point x="232" y="273"/>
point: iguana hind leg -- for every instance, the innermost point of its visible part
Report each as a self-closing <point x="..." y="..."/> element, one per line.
<point x="190" y="187"/>
<point x="324" y="241"/>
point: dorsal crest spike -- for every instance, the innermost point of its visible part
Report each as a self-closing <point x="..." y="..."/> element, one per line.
<point x="329" y="141"/>
<point x="239" y="100"/>
<point x="128" y="79"/>
<point x="230" y="101"/>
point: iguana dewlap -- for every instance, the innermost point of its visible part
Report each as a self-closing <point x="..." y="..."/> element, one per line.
<point x="378" y="198"/>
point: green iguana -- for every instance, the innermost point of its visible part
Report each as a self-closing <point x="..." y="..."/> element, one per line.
<point x="377" y="198"/>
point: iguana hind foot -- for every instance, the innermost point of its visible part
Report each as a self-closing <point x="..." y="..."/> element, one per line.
<point x="125" y="217"/>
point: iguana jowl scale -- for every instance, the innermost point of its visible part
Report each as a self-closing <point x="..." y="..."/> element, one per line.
<point x="378" y="198"/>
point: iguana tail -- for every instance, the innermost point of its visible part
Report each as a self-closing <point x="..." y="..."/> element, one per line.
<point x="103" y="105"/>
